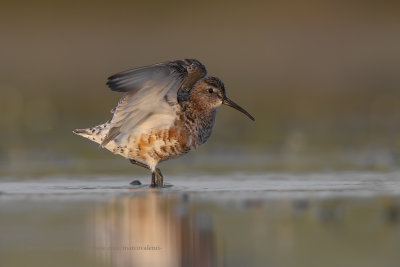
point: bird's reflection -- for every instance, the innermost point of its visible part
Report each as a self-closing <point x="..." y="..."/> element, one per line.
<point x="152" y="230"/>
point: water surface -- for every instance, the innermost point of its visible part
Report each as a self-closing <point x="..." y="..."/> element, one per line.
<point x="319" y="219"/>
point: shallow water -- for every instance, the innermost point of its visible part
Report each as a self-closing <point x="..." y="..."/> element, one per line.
<point x="318" y="219"/>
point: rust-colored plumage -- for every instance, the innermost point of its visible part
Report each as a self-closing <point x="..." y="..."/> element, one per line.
<point x="168" y="109"/>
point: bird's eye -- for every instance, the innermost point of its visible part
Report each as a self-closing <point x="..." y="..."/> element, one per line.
<point x="210" y="90"/>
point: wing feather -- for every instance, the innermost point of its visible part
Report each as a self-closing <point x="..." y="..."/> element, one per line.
<point x="134" y="80"/>
<point x="150" y="99"/>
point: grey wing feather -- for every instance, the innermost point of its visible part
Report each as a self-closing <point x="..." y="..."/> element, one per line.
<point x="133" y="80"/>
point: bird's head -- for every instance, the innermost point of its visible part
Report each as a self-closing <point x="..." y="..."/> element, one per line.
<point x="209" y="93"/>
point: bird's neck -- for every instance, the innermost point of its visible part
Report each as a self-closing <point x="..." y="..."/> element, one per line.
<point x="200" y="121"/>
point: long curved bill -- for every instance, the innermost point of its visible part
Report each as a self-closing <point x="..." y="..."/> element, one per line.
<point x="232" y="104"/>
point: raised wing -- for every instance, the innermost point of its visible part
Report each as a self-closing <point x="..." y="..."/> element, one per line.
<point x="150" y="99"/>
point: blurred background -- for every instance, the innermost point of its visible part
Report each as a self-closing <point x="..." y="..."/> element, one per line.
<point x="321" y="78"/>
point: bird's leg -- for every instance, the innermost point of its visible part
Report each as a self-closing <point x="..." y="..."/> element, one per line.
<point x="139" y="164"/>
<point x="156" y="176"/>
<point x="144" y="166"/>
<point x="153" y="179"/>
<point x="160" y="180"/>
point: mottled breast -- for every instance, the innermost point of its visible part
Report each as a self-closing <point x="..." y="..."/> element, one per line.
<point x="158" y="144"/>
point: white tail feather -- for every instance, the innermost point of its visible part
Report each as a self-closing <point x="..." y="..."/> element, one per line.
<point x="96" y="133"/>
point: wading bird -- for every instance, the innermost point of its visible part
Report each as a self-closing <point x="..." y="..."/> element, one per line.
<point x="167" y="110"/>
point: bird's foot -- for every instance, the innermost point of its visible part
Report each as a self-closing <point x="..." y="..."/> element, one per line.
<point x="157" y="179"/>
